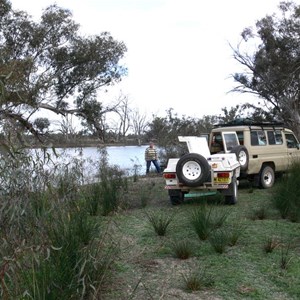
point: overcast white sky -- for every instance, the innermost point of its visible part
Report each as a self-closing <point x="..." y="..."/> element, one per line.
<point x="178" y="50"/>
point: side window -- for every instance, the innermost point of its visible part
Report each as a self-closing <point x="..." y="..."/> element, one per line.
<point x="278" y="137"/>
<point x="254" y="138"/>
<point x="258" y="138"/>
<point x="240" y="135"/>
<point x="291" y="141"/>
<point x="274" y="137"/>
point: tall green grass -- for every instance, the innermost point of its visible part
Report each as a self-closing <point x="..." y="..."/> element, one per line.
<point x="206" y="219"/>
<point x="286" y="195"/>
<point x="52" y="246"/>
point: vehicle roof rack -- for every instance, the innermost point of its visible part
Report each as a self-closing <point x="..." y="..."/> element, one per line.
<point x="249" y="122"/>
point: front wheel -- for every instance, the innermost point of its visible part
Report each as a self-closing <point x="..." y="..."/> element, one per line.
<point x="267" y="177"/>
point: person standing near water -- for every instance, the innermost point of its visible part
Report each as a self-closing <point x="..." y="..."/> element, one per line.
<point x="151" y="156"/>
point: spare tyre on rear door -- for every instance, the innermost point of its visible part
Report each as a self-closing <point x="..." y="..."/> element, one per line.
<point x="242" y="155"/>
<point x="192" y="169"/>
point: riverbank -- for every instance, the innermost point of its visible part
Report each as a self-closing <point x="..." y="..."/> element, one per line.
<point x="84" y="143"/>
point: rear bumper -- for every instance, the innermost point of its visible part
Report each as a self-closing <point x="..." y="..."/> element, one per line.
<point x="205" y="186"/>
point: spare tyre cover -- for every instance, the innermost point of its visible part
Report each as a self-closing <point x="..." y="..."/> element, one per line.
<point x="192" y="169"/>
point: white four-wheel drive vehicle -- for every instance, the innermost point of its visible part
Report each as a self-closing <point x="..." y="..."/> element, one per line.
<point x="200" y="170"/>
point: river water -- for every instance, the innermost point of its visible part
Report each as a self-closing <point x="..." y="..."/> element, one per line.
<point x="128" y="158"/>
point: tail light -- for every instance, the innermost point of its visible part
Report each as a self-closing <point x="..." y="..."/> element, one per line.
<point x="223" y="174"/>
<point x="169" y="175"/>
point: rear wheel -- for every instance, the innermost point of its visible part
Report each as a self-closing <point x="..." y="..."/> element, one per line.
<point x="267" y="177"/>
<point x="176" y="197"/>
<point x="231" y="199"/>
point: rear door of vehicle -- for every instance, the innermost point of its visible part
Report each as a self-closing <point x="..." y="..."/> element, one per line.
<point x="230" y="141"/>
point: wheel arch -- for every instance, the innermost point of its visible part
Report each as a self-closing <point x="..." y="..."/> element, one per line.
<point x="268" y="163"/>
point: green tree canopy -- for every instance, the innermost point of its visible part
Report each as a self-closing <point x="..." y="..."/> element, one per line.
<point x="48" y="66"/>
<point x="273" y="70"/>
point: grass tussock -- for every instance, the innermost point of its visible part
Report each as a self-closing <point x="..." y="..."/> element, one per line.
<point x="182" y="249"/>
<point x="271" y="243"/>
<point x="197" y="280"/>
<point x="286" y="194"/>
<point x="206" y="219"/>
<point x="219" y="240"/>
<point x="159" y="221"/>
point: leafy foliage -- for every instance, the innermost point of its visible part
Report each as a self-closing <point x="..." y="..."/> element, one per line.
<point x="167" y="129"/>
<point x="43" y="65"/>
<point x="273" y="70"/>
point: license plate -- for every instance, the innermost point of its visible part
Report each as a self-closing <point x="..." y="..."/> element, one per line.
<point x="221" y="180"/>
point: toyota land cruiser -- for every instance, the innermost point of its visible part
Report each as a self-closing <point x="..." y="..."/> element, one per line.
<point x="265" y="149"/>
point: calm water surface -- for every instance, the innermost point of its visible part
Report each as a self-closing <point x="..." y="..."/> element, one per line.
<point x="126" y="157"/>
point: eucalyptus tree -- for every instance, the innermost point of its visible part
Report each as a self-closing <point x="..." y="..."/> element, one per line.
<point x="47" y="66"/>
<point x="256" y="113"/>
<point x="272" y="71"/>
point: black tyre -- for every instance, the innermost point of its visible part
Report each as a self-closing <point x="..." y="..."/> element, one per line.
<point x="192" y="169"/>
<point x="231" y="197"/>
<point x="242" y="155"/>
<point x="267" y="177"/>
<point x="176" y="197"/>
